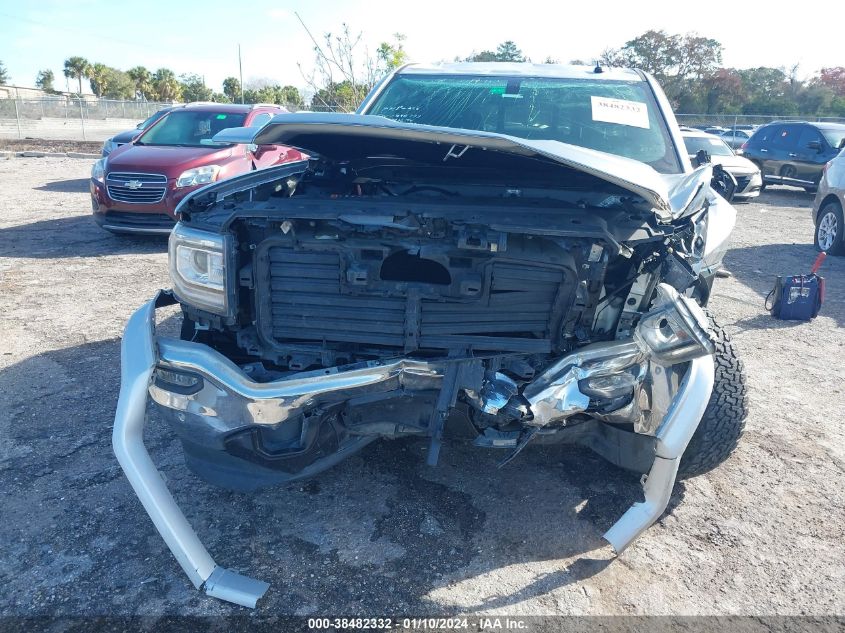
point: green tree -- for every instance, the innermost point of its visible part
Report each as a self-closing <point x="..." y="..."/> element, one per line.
<point x="111" y="83"/>
<point x="4" y="75"/>
<point x="392" y="55"/>
<point x="767" y="91"/>
<point x="165" y="86"/>
<point x="119" y="85"/>
<point x="232" y="89"/>
<point x="507" y="51"/>
<point x="219" y="97"/>
<point x="678" y="62"/>
<point x="816" y="99"/>
<point x="45" y="79"/>
<point x="483" y="56"/>
<point x="77" y="68"/>
<point x="340" y="96"/>
<point x="262" y="92"/>
<point x="289" y="96"/>
<point x="194" y="89"/>
<point x="98" y="77"/>
<point x="141" y="77"/>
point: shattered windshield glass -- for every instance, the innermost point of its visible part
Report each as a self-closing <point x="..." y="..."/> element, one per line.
<point x="618" y="117"/>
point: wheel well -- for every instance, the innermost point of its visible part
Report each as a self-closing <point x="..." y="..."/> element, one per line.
<point x="827" y="199"/>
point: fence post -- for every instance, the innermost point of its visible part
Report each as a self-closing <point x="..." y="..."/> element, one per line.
<point x="82" y="118"/>
<point x="18" y="119"/>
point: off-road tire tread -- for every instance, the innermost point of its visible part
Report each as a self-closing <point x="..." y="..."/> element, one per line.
<point x="724" y="419"/>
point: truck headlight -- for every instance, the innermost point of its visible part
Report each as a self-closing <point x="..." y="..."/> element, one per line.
<point x="98" y="171"/>
<point x="198" y="268"/>
<point x="198" y="176"/>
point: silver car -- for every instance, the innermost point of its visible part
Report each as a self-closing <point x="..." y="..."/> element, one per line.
<point x="747" y="175"/>
<point x="736" y="138"/>
<point x="828" y="205"/>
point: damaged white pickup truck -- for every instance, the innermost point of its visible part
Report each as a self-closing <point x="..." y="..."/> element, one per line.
<point x="522" y="250"/>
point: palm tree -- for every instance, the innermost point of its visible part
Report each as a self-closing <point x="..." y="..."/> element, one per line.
<point x="232" y="88"/>
<point x="77" y="68"/>
<point x="141" y="76"/>
<point x="166" y="85"/>
<point x="99" y="76"/>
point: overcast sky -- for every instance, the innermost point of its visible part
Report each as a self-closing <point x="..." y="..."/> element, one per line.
<point x="202" y="37"/>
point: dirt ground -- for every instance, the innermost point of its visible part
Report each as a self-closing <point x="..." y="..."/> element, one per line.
<point x="384" y="533"/>
<point x="44" y="145"/>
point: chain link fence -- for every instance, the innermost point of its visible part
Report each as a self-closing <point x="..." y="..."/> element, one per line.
<point x="68" y="118"/>
<point x="63" y="118"/>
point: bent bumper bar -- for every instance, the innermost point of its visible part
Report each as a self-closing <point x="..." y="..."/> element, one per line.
<point x="230" y="397"/>
<point x="673" y="435"/>
<point x="138" y="358"/>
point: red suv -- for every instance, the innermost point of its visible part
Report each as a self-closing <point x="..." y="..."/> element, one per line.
<point x="136" y="189"/>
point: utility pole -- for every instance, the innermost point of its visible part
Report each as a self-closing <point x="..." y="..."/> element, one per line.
<point x="241" y="72"/>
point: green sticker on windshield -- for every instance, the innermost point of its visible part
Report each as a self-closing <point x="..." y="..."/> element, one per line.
<point x="497" y="90"/>
<point x="221" y="116"/>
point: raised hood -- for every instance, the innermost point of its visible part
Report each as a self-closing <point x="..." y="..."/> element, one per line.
<point x="354" y="136"/>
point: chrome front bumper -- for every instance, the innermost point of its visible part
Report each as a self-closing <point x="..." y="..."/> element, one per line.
<point x="138" y="357"/>
<point x="231" y="399"/>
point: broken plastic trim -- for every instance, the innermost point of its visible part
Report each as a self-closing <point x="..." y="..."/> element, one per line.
<point x="138" y="359"/>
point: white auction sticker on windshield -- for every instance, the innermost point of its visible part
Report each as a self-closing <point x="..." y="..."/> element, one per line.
<point x="609" y="110"/>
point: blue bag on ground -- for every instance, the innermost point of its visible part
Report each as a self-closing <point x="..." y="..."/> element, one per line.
<point x="797" y="297"/>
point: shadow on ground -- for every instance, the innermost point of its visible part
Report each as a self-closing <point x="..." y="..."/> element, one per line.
<point x="380" y="533"/>
<point x="75" y="236"/>
<point x="76" y="185"/>
<point x="786" y="197"/>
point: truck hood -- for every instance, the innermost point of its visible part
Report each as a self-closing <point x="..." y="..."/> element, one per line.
<point x="168" y="160"/>
<point x="343" y="137"/>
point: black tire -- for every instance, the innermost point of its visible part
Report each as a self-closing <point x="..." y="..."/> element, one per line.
<point x="837" y="247"/>
<point x="724" y="418"/>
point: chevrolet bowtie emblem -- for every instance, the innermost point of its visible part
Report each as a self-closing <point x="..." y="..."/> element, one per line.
<point x="134" y="184"/>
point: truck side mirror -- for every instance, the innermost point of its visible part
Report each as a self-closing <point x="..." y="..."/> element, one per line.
<point x="702" y="157"/>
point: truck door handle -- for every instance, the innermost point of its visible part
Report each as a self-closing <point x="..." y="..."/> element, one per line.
<point x="764" y="150"/>
<point x="791" y="155"/>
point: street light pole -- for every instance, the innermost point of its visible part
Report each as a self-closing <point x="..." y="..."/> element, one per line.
<point x="241" y="72"/>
